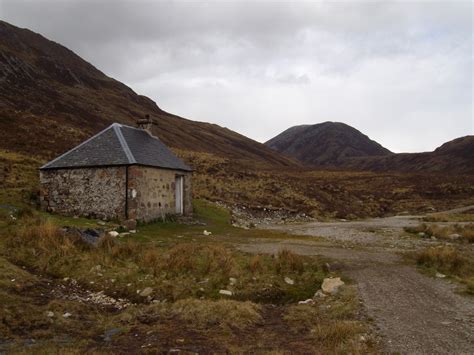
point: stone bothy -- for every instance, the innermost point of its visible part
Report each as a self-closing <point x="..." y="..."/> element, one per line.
<point x="120" y="173"/>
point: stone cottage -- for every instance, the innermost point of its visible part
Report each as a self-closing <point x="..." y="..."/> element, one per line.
<point x="120" y="173"/>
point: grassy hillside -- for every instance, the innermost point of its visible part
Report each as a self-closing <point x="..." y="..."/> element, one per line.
<point x="51" y="100"/>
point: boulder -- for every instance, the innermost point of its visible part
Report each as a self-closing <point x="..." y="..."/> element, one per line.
<point x="225" y="292"/>
<point x="331" y="285"/>
<point x="147" y="291"/>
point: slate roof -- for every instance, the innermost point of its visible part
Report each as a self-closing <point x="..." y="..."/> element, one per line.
<point x="119" y="145"/>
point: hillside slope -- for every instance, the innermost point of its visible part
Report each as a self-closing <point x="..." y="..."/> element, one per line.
<point x="337" y="145"/>
<point x="327" y="144"/>
<point x="455" y="157"/>
<point x="51" y="99"/>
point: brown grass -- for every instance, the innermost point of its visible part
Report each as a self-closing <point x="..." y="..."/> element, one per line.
<point x="442" y="258"/>
<point x="221" y="313"/>
<point x="289" y="261"/>
<point x="449" y="260"/>
<point x="182" y="270"/>
<point x="336" y="333"/>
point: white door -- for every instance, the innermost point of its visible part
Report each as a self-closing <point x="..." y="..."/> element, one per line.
<point x="179" y="194"/>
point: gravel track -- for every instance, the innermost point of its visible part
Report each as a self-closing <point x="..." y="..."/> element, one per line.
<point x="412" y="313"/>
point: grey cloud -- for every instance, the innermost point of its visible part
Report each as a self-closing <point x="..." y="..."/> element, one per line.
<point x="391" y="69"/>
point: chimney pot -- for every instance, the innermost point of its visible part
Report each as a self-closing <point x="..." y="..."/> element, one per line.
<point x="146" y="123"/>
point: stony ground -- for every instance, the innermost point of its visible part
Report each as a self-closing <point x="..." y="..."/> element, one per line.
<point x="412" y="312"/>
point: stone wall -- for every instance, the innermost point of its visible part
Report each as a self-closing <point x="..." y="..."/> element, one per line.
<point x="151" y="192"/>
<point x="90" y="192"/>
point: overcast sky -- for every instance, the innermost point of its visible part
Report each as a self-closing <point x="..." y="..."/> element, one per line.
<point x="400" y="72"/>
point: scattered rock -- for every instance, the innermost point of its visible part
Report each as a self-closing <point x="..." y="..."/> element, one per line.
<point x="101" y="223"/>
<point x="67" y="315"/>
<point x="433" y="238"/>
<point x="289" y="281"/>
<point x="113" y="234"/>
<point x="331" y="285"/>
<point x="225" y="292"/>
<point x="440" y="275"/>
<point x="319" y="294"/>
<point x="111" y="332"/>
<point x="50" y="314"/>
<point x="232" y="281"/>
<point x="454" y="236"/>
<point x="422" y="234"/>
<point x="146" y="292"/>
<point x="308" y="301"/>
<point x="206" y="232"/>
<point x="133" y="231"/>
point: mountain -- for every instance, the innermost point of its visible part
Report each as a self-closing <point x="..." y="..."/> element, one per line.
<point x="51" y="100"/>
<point x="337" y="145"/>
<point x="456" y="157"/>
<point x="328" y="144"/>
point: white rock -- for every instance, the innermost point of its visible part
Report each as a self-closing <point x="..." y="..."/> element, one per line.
<point x="101" y="223"/>
<point x="331" y="285"/>
<point x="113" y="234"/>
<point x="308" y="301"/>
<point x="133" y="231"/>
<point x="225" y="292"/>
<point x="319" y="294"/>
<point x="67" y="315"/>
<point x="440" y="275"/>
<point x="146" y="292"/>
<point x="50" y="314"/>
<point x="289" y="281"/>
<point x="232" y="281"/>
<point x="206" y="232"/>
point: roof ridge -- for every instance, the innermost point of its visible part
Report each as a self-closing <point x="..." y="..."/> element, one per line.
<point x="123" y="143"/>
<point x="77" y="146"/>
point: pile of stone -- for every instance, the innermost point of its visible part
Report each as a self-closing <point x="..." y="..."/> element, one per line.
<point x="71" y="291"/>
<point x="330" y="286"/>
<point x="250" y="217"/>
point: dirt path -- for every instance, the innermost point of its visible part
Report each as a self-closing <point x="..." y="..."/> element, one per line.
<point x="413" y="313"/>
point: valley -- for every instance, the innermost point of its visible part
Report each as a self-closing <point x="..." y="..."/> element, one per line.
<point x="246" y="273"/>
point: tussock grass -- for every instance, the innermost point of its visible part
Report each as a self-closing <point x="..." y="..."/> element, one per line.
<point x="336" y="333"/>
<point x="444" y="258"/>
<point x="227" y="313"/>
<point x="287" y="261"/>
<point x="451" y="261"/>
<point x="330" y="323"/>
<point x="450" y="217"/>
<point x="183" y="270"/>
